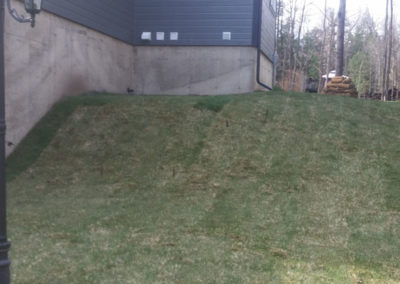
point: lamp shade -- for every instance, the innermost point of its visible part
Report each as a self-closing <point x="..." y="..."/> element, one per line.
<point x="33" y="6"/>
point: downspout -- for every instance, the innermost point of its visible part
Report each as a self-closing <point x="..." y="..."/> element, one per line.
<point x="259" y="48"/>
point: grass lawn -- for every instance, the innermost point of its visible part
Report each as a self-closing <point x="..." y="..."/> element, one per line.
<point x="261" y="188"/>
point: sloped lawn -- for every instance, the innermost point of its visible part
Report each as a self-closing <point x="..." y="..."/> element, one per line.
<point x="260" y="188"/>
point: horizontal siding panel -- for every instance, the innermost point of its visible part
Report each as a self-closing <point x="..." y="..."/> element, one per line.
<point x="114" y="18"/>
<point x="198" y="22"/>
<point x="202" y="16"/>
<point x="268" y="30"/>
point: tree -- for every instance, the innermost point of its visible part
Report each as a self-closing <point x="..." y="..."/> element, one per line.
<point x="340" y="38"/>
<point x="322" y="50"/>
<point x="289" y="31"/>
<point x="363" y="53"/>
<point x="312" y="43"/>
<point x="359" y="70"/>
<point x="330" y="44"/>
<point x="388" y="48"/>
<point x="297" y="50"/>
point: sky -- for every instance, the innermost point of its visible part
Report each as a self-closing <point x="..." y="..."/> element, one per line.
<point x="377" y="9"/>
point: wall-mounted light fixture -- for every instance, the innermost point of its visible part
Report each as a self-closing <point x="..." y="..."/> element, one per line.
<point x="32" y="7"/>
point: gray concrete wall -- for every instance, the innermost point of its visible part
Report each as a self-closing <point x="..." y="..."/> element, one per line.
<point x="194" y="70"/>
<point x="57" y="58"/>
<point x="266" y="73"/>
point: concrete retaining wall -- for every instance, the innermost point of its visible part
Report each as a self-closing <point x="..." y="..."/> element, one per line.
<point x="57" y="58"/>
<point x="266" y="73"/>
<point x="211" y="70"/>
<point x="194" y="70"/>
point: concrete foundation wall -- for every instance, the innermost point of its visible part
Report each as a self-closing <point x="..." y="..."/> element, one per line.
<point x="194" y="70"/>
<point x="57" y="58"/>
<point x="266" y="73"/>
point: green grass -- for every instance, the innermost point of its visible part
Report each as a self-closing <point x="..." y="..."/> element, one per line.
<point x="261" y="188"/>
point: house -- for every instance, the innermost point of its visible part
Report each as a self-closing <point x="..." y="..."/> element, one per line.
<point x="150" y="46"/>
<point x="203" y="47"/>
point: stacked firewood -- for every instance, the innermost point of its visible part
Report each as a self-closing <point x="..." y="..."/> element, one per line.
<point x="342" y="86"/>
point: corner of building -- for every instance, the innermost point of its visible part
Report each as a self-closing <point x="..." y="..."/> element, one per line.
<point x="266" y="73"/>
<point x="55" y="59"/>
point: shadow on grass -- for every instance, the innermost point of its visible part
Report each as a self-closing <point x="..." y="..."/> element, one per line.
<point x="29" y="150"/>
<point x="215" y="104"/>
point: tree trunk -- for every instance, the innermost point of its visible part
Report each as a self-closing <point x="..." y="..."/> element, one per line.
<point x="340" y="38"/>
<point x="384" y="85"/>
<point x="359" y="73"/>
<point x="322" y="51"/>
<point x="388" y="49"/>
<point x="292" y="24"/>
<point x="390" y="45"/>
<point x="298" y="48"/>
<point x="330" y="47"/>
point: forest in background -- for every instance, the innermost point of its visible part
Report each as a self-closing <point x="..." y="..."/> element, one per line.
<point x="371" y="53"/>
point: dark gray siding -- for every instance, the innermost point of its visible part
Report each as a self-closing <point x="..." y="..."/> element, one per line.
<point x="198" y="22"/>
<point x="268" y="30"/>
<point x="112" y="17"/>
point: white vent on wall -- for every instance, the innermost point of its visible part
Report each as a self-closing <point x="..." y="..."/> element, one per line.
<point x="173" y="36"/>
<point x="226" y="36"/>
<point x="146" y="36"/>
<point x="160" y="36"/>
